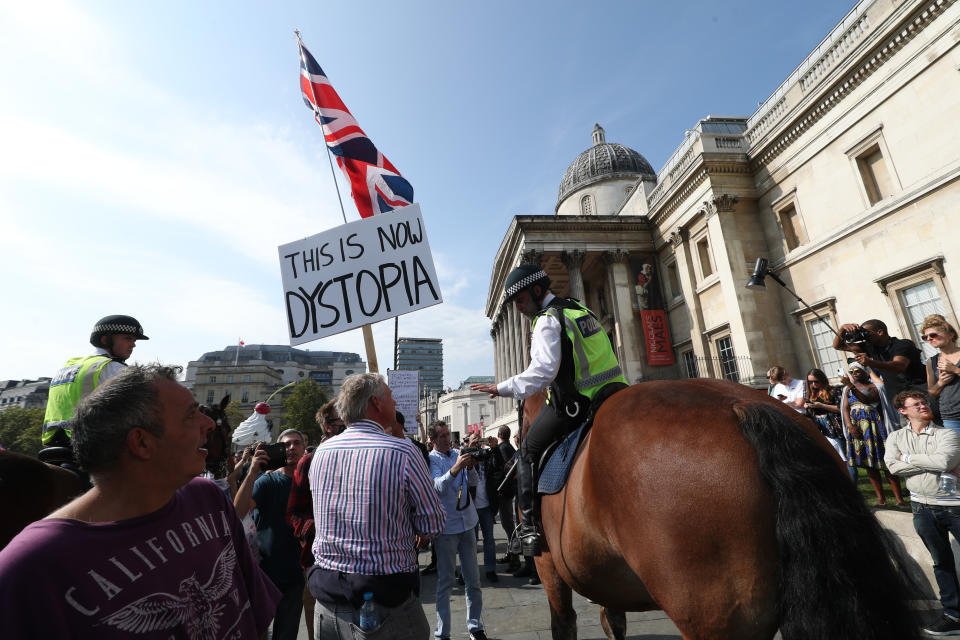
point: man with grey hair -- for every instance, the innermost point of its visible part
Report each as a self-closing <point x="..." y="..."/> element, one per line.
<point x="279" y="546"/>
<point x="373" y="503"/>
<point x="151" y="549"/>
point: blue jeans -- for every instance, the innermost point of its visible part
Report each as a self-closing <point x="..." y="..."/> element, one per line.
<point x="449" y="546"/>
<point x="932" y="523"/>
<point x="489" y="544"/>
<point x="952" y="424"/>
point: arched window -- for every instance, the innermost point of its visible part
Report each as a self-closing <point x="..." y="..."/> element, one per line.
<point x="586" y="205"/>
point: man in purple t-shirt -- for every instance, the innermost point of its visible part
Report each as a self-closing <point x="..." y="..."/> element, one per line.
<point x="150" y="551"/>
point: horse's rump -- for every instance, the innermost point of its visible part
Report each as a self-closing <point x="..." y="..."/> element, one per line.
<point x="683" y="498"/>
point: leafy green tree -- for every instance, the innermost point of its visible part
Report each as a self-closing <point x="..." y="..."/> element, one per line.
<point x="20" y="429"/>
<point x="235" y="416"/>
<point x="300" y="409"/>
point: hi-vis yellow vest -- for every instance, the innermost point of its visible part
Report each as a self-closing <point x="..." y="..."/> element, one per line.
<point x="594" y="363"/>
<point x="76" y="379"/>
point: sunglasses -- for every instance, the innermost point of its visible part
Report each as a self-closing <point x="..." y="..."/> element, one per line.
<point x="930" y="336"/>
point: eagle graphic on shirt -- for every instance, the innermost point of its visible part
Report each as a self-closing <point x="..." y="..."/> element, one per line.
<point x="196" y="607"/>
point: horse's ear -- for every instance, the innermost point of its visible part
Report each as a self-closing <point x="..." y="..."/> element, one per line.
<point x="224" y="402"/>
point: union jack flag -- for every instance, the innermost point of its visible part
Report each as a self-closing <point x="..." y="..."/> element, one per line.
<point x="376" y="184"/>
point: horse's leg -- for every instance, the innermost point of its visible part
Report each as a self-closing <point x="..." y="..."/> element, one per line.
<point x="563" y="619"/>
<point x="614" y="623"/>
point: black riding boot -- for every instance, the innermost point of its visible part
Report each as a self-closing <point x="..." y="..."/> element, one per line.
<point x="527" y="532"/>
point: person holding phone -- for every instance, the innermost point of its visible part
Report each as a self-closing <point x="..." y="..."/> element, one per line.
<point x="943" y="370"/>
<point x="787" y="390"/>
<point x="279" y="547"/>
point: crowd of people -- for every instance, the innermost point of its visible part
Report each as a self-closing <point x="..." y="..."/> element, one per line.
<point x="335" y="531"/>
<point x="896" y="418"/>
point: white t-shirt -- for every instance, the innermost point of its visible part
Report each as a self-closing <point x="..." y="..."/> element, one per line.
<point x="793" y="390"/>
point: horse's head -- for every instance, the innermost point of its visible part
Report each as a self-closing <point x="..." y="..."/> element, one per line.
<point x="219" y="460"/>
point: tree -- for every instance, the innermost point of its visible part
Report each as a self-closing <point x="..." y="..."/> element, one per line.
<point x="20" y="429"/>
<point x="300" y="409"/>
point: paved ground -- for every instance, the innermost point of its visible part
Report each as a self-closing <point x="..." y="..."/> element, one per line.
<point x="514" y="610"/>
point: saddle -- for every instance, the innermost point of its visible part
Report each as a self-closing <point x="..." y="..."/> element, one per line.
<point x="557" y="459"/>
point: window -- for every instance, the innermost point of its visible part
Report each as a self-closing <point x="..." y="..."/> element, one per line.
<point x="246" y="396"/>
<point x="586" y="205"/>
<point x="728" y="359"/>
<point x="706" y="260"/>
<point x="821" y="337"/>
<point x="689" y="360"/>
<point x="793" y="231"/>
<point x="913" y="294"/>
<point x="246" y="378"/>
<point x="874" y="174"/>
<point x="920" y="301"/>
<point x="213" y="378"/>
<point x="673" y="281"/>
<point x="210" y="397"/>
<point x="229" y="378"/>
<point x="871" y="161"/>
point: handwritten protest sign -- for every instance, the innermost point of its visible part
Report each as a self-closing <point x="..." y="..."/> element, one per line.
<point x="356" y="274"/>
<point x="405" y="385"/>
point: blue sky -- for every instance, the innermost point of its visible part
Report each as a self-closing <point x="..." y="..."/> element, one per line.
<point x="156" y="154"/>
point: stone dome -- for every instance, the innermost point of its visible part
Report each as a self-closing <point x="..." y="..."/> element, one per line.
<point x="603" y="161"/>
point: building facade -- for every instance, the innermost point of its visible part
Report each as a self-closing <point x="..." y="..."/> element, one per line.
<point x="252" y="373"/>
<point x="845" y="179"/>
<point x="424" y="355"/>
<point x="466" y="411"/>
<point x="25" y="394"/>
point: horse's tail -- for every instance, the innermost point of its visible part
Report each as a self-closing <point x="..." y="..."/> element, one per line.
<point x="840" y="575"/>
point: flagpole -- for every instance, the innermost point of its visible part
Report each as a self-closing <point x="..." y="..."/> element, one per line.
<point x="367" y="331"/>
<point x="316" y="116"/>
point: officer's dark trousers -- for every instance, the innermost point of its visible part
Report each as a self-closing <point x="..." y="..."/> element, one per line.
<point x="546" y="428"/>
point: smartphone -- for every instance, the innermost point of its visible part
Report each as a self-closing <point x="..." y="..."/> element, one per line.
<point x="840" y="372"/>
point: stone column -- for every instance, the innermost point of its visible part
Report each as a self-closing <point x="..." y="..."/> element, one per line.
<point x="573" y="261"/>
<point x="748" y="322"/>
<point x="531" y="256"/>
<point x="627" y="332"/>
<point x="688" y="285"/>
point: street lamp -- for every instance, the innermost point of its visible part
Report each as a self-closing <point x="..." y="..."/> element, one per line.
<point x="756" y="281"/>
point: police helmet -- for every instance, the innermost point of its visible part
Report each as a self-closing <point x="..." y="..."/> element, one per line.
<point x="524" y="277"/>
<point x="112" y="325"/>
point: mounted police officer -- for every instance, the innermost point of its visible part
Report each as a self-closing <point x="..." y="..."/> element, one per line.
<point x="113" y="338"/>
<point x="571" y="355"/>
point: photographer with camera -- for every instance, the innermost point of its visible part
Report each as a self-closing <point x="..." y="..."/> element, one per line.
<point x="279" y="547"/>
<point x="896" y="360"/>
<point x="453" y="475"/>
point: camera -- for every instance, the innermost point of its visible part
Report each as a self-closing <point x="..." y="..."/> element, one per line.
<point x="857" y="336"/>
<point x="477" y="453"/>
<point x="278" y="455"/>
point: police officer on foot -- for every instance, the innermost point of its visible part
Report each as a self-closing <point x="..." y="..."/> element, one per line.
<point x="113" y="339"/>
<point x="571" y="355"/>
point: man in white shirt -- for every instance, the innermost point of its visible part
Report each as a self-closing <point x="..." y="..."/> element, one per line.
<point x="787" y="390"/>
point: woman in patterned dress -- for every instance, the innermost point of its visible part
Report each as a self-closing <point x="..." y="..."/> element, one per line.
<point x="823" y="406"/>
<point x="865" y="432"/>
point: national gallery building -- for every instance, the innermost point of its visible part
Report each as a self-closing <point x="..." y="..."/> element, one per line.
<point x="845" y="180"/>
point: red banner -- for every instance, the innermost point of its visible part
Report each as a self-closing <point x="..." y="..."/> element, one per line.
<point x="657" y="337"/>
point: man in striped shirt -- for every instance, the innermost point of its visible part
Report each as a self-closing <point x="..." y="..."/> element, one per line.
<point x="373" y="503"/>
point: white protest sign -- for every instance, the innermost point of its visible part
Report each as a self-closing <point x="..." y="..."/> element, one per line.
<point x="405" y="387"/>
<point x="356" y="274"/>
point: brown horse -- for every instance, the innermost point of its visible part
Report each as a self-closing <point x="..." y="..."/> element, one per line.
<point x="219" y="451"/>
<point x="726" y="510"/>
<point x="29" y="490"/>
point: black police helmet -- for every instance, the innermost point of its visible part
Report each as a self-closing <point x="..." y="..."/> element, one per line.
<point x="524" y="277"/>
<point x="112" y="325"/>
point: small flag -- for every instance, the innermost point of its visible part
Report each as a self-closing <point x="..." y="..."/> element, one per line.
<point x="376" y="185"/>
<point x="241" y="342"/>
